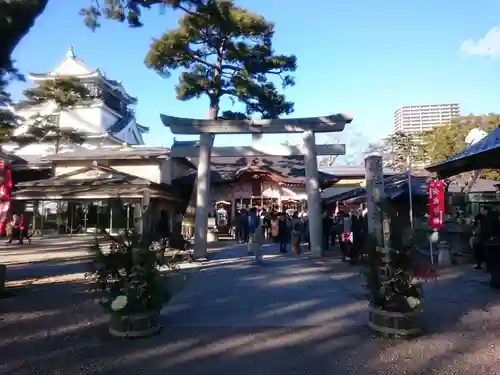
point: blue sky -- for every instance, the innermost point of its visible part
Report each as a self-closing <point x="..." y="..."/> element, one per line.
<point x="361" y="56"/>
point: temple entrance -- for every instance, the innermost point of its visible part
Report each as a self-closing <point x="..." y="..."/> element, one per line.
<point x="290" y="204"/>
<point x="257" y="201"/>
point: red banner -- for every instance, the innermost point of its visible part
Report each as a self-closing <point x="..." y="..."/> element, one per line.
<point x="436" y="204"/>
<point x="5" y="196"/>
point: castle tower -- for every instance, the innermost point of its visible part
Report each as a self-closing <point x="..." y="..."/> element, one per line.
<point x="108" y="120"/>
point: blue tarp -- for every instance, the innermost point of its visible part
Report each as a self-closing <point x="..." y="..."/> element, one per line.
<point x="482" y="155"/>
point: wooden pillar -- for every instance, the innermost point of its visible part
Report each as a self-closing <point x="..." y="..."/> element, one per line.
<point x="128" y="217"/>
<point x="168" y="169"/>
<point x="138" y="224"/>
<point x="313" y="195"/>
<point x="202" y="196"/>
<point x="374" y="195"/>
<point x="110" y="219"/>
<point x="35" y="214"/>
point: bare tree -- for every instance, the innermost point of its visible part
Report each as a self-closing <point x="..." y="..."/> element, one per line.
<point x="354" y="150"/>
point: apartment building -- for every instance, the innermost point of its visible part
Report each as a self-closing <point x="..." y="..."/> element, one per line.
<point x="418" y="118"/>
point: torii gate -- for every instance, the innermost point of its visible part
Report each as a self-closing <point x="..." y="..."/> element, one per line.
<point x="207" y="129"/>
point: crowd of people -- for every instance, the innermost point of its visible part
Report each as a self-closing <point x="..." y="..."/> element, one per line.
<point x="348" y="229"/>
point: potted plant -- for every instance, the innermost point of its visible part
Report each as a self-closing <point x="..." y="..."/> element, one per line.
<point x="128" y="285"/>
<point x="395" y="298"/>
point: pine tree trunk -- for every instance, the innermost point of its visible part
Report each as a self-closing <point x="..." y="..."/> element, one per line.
<point x="16" y="20"/>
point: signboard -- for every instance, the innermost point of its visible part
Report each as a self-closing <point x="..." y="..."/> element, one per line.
<point x="436" y="204"/>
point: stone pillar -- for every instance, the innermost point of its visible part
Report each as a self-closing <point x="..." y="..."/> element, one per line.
<point x="313" y="195"/>
<point x="257" y="139"/>
<point x="202" y="196"/>
<point x="374" y="194"/>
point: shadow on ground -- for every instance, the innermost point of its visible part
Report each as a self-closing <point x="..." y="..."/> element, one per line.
<point x="289" y="316"/>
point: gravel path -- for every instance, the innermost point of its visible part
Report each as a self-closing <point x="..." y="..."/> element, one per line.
<point x="289" y="316"/>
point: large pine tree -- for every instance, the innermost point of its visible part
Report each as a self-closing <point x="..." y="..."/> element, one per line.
<point x="223" y="49"/>
<point x="65" y="93"/>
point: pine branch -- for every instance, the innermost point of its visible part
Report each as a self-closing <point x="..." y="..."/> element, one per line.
<point x="129" y="11"/>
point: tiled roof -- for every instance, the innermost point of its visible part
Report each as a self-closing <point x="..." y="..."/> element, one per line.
<point x="114" y="181"/>
<point x="113" y="153"/>
<point x="290" y="168"/>
<point x="352" y="171"/>
<point x="121" y="124"/>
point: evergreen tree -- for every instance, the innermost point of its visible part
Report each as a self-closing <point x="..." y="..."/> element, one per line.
<point x="7" y="118"/>
<point x="66" y="93"/>
<point x="407" y="148"/>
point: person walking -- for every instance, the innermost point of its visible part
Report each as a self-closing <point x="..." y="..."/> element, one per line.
<point x="244" y="226"/>
<point x="296" y="225"/>
<point x="253" y="224"/>
<point x="23" y="229"/>
<point x="16" y="229"/>
<point x="275" y="227"/>
<point x="238" y="227"/>
<point x="346" y="237"/>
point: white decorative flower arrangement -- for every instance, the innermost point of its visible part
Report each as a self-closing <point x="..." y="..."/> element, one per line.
<point x="126" y="278"/>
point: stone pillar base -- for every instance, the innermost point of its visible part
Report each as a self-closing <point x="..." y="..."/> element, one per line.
<point x="211" y="237"/>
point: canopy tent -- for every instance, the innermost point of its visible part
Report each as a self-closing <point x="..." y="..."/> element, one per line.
<point x="483" y="154"/>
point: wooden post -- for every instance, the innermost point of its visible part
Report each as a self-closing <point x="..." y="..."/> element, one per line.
<point x="374" y="196"/>
<point x="33" y="219"/>
<point x="110" y="219"/>
<point x="71" y="221"/>
<point x="313" y="195"/>
<point x="128" y="217"/>
<point x="42" y="218"/>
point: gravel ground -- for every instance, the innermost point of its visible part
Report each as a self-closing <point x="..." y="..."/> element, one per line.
<point x="289" y="316"/>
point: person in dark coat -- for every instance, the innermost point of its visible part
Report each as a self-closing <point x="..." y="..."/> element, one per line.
<point x="238" y="226"/>
<point x="283" y="232"/>
<point x="163" y="226"/>
<point x="327" y="222"/>
<point x="244" y="226"/>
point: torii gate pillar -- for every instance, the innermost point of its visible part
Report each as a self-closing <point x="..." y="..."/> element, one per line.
<point x="202" y="195"/>
<point x="313" y="195"/>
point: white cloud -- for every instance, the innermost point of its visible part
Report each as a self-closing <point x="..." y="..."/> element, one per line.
<point x="488" y="45"/>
